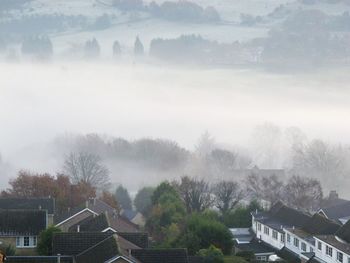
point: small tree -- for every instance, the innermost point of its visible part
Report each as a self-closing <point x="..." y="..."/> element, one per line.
<point x="227" y="195"/>
<point x="117" y="50"/>
<point x="139" y="50"/>
<point x="211" y="255"/>
<point x="142" y="201"/>
<point x="123" y="198"/>
<point x="92" y="48"/>
<point x="45" y="240"/>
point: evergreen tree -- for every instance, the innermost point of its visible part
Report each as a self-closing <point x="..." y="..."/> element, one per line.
<point x="139" y="50"/>
<point x="123" y="198"/>
<point x="116" y="49"/>
<point x="92" y="48"/>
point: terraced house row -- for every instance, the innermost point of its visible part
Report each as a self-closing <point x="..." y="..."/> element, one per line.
<point x="295" y="236"/>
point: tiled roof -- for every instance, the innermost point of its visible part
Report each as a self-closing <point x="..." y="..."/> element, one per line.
<point x="100" y="252"/>
<point x="280" y="216"/>
<point x="129" y="214"/>
<point x="255" y="246"/>
<point x="344" y="232"/>
<point x="288" y="255"/>
<point x="91" y="224"/>
<point x="122" y="224"/>
<point x="337" y="211"/>
<point x="22" y="222"/>
<point x="161" y="255"/>
<point x="139" y="239"/>
<point x="335" y="242"/>
<point x="318" y="225"/>
<point x="71" y="244"/>
<point x="28" y="204"/>
<point x="38" y="259"/>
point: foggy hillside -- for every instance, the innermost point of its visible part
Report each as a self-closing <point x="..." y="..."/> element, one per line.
<point x="139" y="82"/>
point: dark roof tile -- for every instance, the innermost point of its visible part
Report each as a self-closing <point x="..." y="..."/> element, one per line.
<point x="22" y="222"/>
<point x="161" y="255"/>
<point x="28" y="204"/>
<point x="100" y="252"/>
<point x="71" y="244"/>
<point x="318" y="225"/>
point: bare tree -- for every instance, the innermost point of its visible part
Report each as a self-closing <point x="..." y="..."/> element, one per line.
<point x="269" y="188"/>
<point x="195" y="194"/>
<point x="86" y="167"/>
<point x="304" y="193"/>
<point x="322" y="160"/>
<point x="227" y="195"/>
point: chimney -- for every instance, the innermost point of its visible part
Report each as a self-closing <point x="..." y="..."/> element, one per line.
<point x="333" y="195"/>
<point x="78" y="228"/>
<point x="293" y="227"/>
<point x="39" y="207"/>
<point x="87" y="203"/>
<point x="58" y="258"/>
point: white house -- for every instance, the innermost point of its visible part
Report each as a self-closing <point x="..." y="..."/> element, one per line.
<point x="269" y="226"/>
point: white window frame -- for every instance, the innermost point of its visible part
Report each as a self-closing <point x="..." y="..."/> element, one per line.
<point x="296" y="242"/>
<point x="329" y="251"/>
<point x="288" y="239"/>
<point x="32" y="241"/>
<point x="259" y="227"/>
<point x="275" y="234"/>
<point x="340" y="255"/>
<point x="319" y="245"/>
<point x="303" y="246"/>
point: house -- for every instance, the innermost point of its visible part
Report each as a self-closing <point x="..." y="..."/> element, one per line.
<point x="94" y="247"/>
<point x="134" y="217"/>
<point x="334" y="248"/>
<point x="21" y="228"/>
<point x="269" y="226"/>
<point x="103" y="223"/>
<point x="103" y="247"/>
<point x="335" y="208"/>
<point x="175" y="255"/>
<point x="39" y="259"/>
<point x="245" y="241"/>
<point x="92" y="208"/>
<point x="301" y="241"/>
<point x="47" y="204"/>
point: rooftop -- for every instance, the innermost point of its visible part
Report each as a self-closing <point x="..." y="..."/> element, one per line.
<point x="22" y="222"/>
<point x="28" y="204"/>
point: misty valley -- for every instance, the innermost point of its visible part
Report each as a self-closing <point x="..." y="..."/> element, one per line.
<point x="174" y="131"/>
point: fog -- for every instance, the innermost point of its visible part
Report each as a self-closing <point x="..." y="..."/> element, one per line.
<point x="42" y="101"/>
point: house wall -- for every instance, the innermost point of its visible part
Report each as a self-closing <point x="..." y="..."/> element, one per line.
<point x="19" y="251"/>
<point x="74" y="220"/>
<point x="297" y="250"/>
<point x="268" y="238"/>
<point x="321" y="254"/>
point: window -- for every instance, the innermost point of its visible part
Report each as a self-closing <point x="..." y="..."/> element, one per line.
<point x="340" y="257"/>
<point x="259" y="227"/>
<point x="348" y="260"/>
<point x="296" y="242"/>
<point x="274" y="234"/>
<point x="26" y="241"/>
<point x="18" y="241"/>
<point x="288" y="238"/>
<point x="319" y="245"/>
<point x="261" y="258"/>
<point x="34" y="241"/>
<point x="303" y="246"/>
<point x="329" y="251"/>
<point x="266" y="230"/>
<point x="282" y="238"/>
<point x="311" y="249"/>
